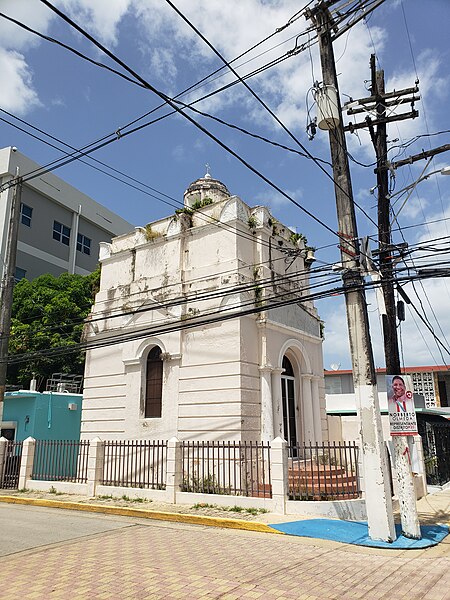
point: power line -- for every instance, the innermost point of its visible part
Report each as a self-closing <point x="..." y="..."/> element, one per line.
<point x="214" y="316"/>
<point x="220" y="293"/>
<point x="191" y="120"/>
<point x="180" y="111"/>
<point x="167" y="100"/>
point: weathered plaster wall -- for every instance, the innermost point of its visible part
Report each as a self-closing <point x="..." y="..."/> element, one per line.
<point x="213" y="373"/>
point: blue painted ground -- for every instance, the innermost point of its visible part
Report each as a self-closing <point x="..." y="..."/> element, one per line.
<point x="354" y="532"/>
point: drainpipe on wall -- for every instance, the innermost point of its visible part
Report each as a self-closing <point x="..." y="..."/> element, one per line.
<point x="73" y="240"/>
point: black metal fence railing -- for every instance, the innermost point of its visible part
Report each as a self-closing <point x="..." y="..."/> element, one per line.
<point x="140" y="464"/>
<point x="436" y="451"/>
<point x="9" y="470"/>
<point x="323" y="471"/>
<point x="231" y="468"/>
<point x="61" y="460"/>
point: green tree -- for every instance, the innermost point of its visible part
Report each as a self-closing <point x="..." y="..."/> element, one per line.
<point x="49" y="312"/>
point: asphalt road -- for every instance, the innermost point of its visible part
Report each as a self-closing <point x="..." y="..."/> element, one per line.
<point x="27" y="527"/>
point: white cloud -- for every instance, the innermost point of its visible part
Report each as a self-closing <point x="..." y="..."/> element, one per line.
<point x="58" y="102"/>
<point x="100" y="18"/>
<point x="274" y="200"/>
<point x="432" y="89"/>
<point x="34" y="14"/>
<point x="179" y="153"/>
<point x="411" y="208"/>
<point x="336" y="344"/>
<point x="19" y="95"/>
<point x="171" y="49"/>
<point x="418" y="345"/>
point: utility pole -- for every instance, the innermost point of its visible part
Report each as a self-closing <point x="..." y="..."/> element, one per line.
<point x="377" y="489"/>
<point x="7" y="287"/>
<point x="405" y="480"/>
<point x="378" y="102"/>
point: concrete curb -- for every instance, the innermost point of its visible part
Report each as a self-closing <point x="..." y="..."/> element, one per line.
<point x="146" y="514"/>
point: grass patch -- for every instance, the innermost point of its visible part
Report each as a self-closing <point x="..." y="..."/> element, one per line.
<point x="54" y="491"/>
<point x="125" y="498"/>
<point x="236" y="509"/>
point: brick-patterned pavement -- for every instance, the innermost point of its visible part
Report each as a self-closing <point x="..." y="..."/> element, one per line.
<point x="170" y="560"/>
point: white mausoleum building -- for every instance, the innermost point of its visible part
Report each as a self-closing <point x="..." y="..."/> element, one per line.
<point x="180" y="350"/>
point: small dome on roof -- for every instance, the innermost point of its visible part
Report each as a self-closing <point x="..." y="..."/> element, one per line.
<point x="205" y="188"/>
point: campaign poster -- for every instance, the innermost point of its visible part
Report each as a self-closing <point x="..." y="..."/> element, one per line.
<point x="402" y="414"/>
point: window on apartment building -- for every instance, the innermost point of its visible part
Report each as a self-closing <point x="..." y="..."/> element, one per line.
<point x="26" y="212"/>
<point x="61" y="233"/>
<point x="19" y="274"/>
<point x="153" y="384"/>
<point x="83" y="244"/>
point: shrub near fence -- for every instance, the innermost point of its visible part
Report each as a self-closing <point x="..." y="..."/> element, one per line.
<point x="139" y="464"/>
<point x="231" y="468"/>
<point x="61" y="460"/>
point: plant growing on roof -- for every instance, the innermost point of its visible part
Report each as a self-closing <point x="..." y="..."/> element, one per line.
<point x="201" y="203"/>
<point x="294" y="238"/>
<point x="272" y="222"/>
<point x="150" y="234"/>
<point x="252" y="222"/>
<point x="185" y="211"/>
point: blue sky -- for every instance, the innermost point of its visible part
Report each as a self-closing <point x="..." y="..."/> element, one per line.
<point x="79" y="103"/>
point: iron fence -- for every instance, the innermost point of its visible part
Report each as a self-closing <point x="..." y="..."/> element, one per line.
<point x="9" y="470"/>
<point x="436" y="449"/>
<point x="61" y="460"/>
<point x="232" y="468"/>
<point x="323" y="471"/>
<point x="140" y="464"/>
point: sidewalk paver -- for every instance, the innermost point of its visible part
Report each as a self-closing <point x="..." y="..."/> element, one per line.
<point x="168" y="560"/>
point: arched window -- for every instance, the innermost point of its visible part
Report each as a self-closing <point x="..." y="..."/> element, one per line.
<point x="289" y="404"/>
<point x="153" y="384"/>
<point x="287" y="366"/>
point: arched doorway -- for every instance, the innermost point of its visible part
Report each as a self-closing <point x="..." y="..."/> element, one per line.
<point x="289" y="403"/>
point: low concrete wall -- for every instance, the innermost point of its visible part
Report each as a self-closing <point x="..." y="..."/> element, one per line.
<point x="348" y="510"/>
<point x="146" y="494"/>
<point x="64" y="487"/>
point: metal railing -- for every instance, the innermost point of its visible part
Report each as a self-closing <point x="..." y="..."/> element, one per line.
<point x="436" y="450"/>
<point x="140" y="464"/>
<point x="61" y="460"/>
<point x="10" y="468"/>
<point x="326" y="471"/>
<point x="232" y="468"/>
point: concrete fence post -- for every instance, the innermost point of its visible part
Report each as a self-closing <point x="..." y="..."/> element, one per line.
<point x="3" y="446"/>
<point x="279" y="474"/>
<point x="26" y="464"/>
<point x="95" y="465"/>
<point x="418" y="466"/>
<point x="173" y="469"/>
